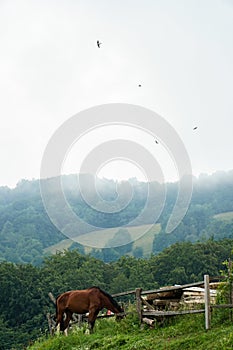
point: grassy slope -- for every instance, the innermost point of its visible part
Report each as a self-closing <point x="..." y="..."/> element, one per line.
<point x="184" y="333"/>
<point x="145" y="241"/>
<point x="60" y="246"/>
<point x="103" y="236"/>
<point x="227" y="216"/>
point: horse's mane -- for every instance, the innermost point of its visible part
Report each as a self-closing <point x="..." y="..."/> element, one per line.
<point x="109" y="297"/>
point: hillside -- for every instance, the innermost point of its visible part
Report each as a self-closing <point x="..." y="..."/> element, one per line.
<point x="142" y="245"/>
<point x="27" y="234"/>
<point x="179" y="334"/>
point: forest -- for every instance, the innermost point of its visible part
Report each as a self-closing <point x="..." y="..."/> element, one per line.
<point x="24" y="287"/>
<point x="26" y="232"/>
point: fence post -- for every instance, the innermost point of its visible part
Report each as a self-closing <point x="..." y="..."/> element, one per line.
<point x="139" y="303"/>
<point x="51" y="331"/>
<point x="52" y="298"/>
<point x="207" y="301"/>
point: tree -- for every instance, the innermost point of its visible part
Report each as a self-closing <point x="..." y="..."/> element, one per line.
<point x="138" y="252"/>
<point x="121" y="241"/>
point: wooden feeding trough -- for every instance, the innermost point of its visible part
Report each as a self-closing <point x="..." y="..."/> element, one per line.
<point x="196" y="295"/>
<point x="167" y="299"/>
<point x="173" y="299"/>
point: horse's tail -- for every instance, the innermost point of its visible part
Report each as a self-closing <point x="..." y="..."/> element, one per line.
<point x="56" y="310"/>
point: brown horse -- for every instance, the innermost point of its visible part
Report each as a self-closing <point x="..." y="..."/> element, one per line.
<point x="90" y="300"/>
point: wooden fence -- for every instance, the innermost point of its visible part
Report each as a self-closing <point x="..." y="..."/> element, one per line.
<point x="148" y="313"/>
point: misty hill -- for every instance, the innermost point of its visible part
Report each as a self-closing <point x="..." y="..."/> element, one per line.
<point x="26" y="232"/>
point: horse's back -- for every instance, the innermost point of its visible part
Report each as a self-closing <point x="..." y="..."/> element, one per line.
<point x="77" y="301"/>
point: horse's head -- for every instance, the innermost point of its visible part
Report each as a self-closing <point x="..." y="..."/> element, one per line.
<point x="121" y="314"/>
<point x="119" y="317"/>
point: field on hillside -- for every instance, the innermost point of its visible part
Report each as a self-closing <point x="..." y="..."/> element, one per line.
<point x="145" y="241"/>
<point x="60" y="246"/>
<point x="99" y="239"/>
<point x="227" y="216"/>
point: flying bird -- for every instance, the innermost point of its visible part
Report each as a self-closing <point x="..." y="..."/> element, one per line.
<point x="98" y="43"/>
<point x="156" y="141"/>
<point x="139" y="85"/>
<point x="195" y="127"/>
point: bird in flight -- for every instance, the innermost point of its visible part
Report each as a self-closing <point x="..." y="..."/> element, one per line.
<point x="156" y="141"/>
<point x="98" y="43"/>
<point x="195" y="127"/>
<point x="139" y="85"/>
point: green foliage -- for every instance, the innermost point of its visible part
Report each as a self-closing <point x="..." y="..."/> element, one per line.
<point x="21" y="307"/>
<point x="122" y="240"/>
<point x="187" y="262"/>
<point x="26" y="231"/>
<point x="225" y="291"/>
<point x="6" y="335"/>
<point x="192" y="229"/>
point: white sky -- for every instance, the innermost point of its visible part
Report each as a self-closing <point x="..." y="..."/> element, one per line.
<point x="181" y="52"/>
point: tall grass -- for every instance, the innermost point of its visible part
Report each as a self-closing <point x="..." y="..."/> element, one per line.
<point x="183" y="332"/>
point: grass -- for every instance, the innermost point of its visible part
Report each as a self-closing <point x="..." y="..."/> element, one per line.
<point x="145" y="241"/>
<point x="183" y="333"/>
<point x="105" y="235"/>
<point x="60" y="246"/>
<point x="227" y="216"/>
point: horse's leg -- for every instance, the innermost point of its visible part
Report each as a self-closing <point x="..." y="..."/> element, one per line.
<point x="91" y="319"/>
<point x="67" y="321"/>
<point x="59" y="321"/>
<point x="58" y="328"/>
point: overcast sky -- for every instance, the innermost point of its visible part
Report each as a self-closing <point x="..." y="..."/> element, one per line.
<point x="180" y="52"/>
